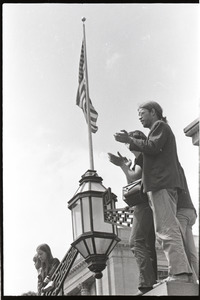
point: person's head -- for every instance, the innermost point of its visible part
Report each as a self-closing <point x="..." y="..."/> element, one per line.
<point x="37" y="261"/>
<point x="149" y="113"/>
<point x="44" y="253"/>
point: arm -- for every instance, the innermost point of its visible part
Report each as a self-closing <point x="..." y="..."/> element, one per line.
<point x="124" y="164"/>
<point x="153" y="145"/>
<point x="48" y="284"/>
<point x="39" y="286"/>
<point x="40" y="282"/>
<point x="132" y="175"/>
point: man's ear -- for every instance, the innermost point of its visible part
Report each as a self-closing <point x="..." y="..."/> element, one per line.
<point x="153" y="112"/>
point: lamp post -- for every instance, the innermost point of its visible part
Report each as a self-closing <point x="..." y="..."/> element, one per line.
<point x="93" y="238"/>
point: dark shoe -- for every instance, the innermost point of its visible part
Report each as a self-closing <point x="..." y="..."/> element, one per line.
<point x="143" y="291"/>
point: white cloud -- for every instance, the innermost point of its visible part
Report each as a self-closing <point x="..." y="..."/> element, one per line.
<point x="112" y="60"/>
<point x="146" y="37"/>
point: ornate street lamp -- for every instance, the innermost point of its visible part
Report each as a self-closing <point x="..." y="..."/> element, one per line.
<point x="93" y="237"/>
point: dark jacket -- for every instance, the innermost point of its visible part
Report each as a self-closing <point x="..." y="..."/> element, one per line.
<point x="161" y="167"/>
<point x="184" y="199"/>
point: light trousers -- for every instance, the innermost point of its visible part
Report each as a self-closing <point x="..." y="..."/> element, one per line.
<point x="187" y="219"/>
<point x="167" y="228"/>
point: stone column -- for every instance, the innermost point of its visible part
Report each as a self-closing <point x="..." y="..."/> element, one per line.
<point x="84" y="289"/>
<point x="99" y="287"/>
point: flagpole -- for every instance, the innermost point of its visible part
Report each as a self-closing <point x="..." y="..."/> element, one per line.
<point x="87" y="101"/>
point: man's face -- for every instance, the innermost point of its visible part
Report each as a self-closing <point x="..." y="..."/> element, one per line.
<point x="145" y="117"/>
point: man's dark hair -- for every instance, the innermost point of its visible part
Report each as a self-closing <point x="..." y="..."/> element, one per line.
<point x="158" y="109"/>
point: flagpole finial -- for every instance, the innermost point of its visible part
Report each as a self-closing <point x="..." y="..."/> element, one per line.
<point x="83" y="19"/>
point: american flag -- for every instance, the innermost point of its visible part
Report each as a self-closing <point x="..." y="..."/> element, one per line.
<point x="81" y="94"/>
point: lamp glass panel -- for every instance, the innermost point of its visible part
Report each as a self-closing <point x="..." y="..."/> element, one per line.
<point x="102" y="245"/>
<point x="90" y="245"/>
<point x="86" y="214"/>
<point x="96" y="186"/>
<point x="98" y="216"/>
<point x="82" y="249"/>
<point x="85" y="187"/>
<point x="113" y="246"/>
<point x="76" y="219"/>
<point x="115" y="229"/>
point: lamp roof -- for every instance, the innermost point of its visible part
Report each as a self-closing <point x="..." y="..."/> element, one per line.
<point x="90" y="181"/>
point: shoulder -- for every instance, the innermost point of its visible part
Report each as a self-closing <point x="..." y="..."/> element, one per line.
<point x="160" y="123"/>
<point x="160" y="126"/>
<point x="55" y="261"/>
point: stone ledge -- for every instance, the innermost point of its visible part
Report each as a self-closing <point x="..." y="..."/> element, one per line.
<point x="192" y="130"/>
<point x="175" y="289"/>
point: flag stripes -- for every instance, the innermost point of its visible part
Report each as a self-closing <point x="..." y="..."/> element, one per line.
<point x="81" y="100"/>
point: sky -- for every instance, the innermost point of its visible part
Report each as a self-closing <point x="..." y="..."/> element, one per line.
<point x="135" y="53"/>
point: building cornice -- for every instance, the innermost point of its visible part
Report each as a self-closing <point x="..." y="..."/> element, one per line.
<point x="192" y="130"/>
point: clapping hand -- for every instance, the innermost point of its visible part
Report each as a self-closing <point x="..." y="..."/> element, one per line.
<point x="122" y="136"/>
<point x="118" y="160"/>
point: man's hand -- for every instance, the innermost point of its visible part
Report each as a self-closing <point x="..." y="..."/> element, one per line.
<point x="122" y="137"/>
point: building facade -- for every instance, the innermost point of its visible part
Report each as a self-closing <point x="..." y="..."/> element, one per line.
<point x="120" y="277"/>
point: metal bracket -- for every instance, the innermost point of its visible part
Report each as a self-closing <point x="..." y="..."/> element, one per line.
<point x="62" y="271"/>
<point x="116" y="216"/>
